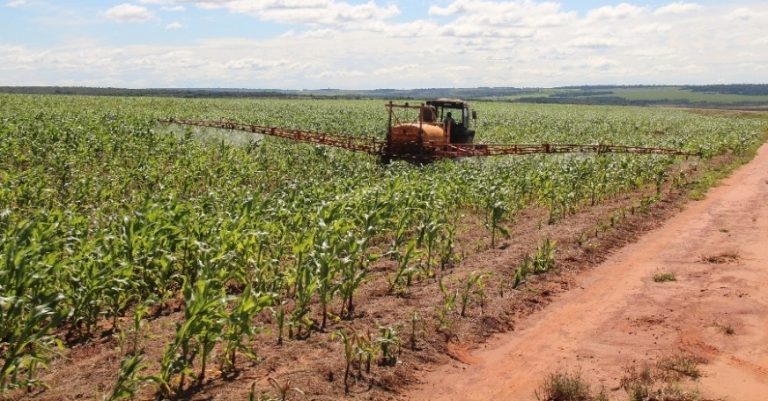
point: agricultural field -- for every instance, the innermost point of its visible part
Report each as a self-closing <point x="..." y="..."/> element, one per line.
<point x="148" y="261"/>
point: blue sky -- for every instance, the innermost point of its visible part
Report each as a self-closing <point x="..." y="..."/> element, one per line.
<point x="366" y="44"/>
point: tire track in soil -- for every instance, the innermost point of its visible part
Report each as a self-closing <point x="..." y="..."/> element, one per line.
<point x="619" y="316"/>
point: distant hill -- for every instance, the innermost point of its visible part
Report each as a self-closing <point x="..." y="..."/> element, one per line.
<point x="736" y="95"/>
<point x="467" y="93"/>
<point x="699" y="96"/>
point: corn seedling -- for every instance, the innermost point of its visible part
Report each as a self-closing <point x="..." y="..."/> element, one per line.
<point x="416" y="326"/>
<point x="195" y="336"/>
<point x="283" y="389"/>
<point x="365" y="349"/>
<point x="496" y="211"/>
<point x="279" y="315"/>
<point x="544" y="260"/>
<point x="389" y="344"/>
<point x="127" y="383"/>
<point x="523" y="270"/>
<point x="354" y="270"/>
<point x="349" y="340"/>
<point x="404" y="270"/>
<point x="473" y="286"/>
<point x="447" y="247"/>
<point x="240" y="328"/>
<point x="445" y="308"/>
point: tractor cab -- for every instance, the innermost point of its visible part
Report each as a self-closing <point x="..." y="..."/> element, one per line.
<point x="458" y="127"/>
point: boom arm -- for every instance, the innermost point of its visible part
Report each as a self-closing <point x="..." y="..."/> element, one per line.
<point x="454" y="150"/>
<point x="354" y="143"/>
<point x="449" y="151"/>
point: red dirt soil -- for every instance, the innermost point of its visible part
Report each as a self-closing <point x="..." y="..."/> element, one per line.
<point x="617" y="316"/>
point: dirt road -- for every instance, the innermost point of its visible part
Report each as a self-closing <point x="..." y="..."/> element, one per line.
<point x="717" y="309"/>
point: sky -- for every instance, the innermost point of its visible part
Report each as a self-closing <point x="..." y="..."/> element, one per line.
<point x="369" y="44"/>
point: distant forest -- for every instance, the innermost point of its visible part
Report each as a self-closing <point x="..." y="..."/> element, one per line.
<point x="467" y="93"/>
<point x="744" y="89"/>
<point x="736" y="95"/>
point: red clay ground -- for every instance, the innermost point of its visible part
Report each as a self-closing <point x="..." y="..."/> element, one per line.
<point x="717" y="310"/>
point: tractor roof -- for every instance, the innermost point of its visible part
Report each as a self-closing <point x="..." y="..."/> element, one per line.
<point x="450" y="103"/>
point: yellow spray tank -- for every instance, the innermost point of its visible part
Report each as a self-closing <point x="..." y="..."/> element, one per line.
<point x="425" y="133"/>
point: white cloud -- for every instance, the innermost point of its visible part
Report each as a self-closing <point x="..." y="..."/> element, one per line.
<point x="251" y="64"/>
<point x="475" y="42"/>
<point x="173" y="26"/>
<point x="527" y="14"/>
<point x="753" y="66"/>
<point x="166" y="5"/>
<point x="483" y="24"/>
<point x="127" y="12"/>
<point x="16" y="3"/>
<point x="310" y="12"/>
<point x="600" y="42"/>
<point x="621" y="11"/>
<point x="315" y="33"/>
<point x="653" y="28"/>
<point x="677" y="8"/>
<point x="452" y="9"/>
<point x="327" y="14"/>
<point x="747" y="14"/>
<point x="597" y="63"/>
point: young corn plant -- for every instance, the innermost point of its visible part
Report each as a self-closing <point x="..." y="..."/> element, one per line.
<point x="348" y="338"/>
<point x="304" y="288"/>
<point x="544" y="259"/>
<point x="400" y="234"/>
<point x="445" y="308"/>
<point x="523" y="270"/>
<point x="27" y="344"/>
<point x="240" y="328"/>
<point x="282" y="389"/>
<point x="389" y="344"/>
<point x="31" y="306"/>
<point x="354" y="270"/>
<point x="496" y="212"/>
<point x="203" y="324"/>
<point x="325" y="273"/>
<point x="90" y="284"/>
<point x="332" y="246"/>
<point x="128" y="381"/>
<point x="417" y="326"/>
<point x="427" y="237"/>
<point x="138" y="315"/>
<point x="279" y="315"/>
<point x="366" y="349"/>
<point x="474" y="286"/>
<point x="352" y="277"/>
<point x="447" y="247"/>
<point x="404" y="273"/>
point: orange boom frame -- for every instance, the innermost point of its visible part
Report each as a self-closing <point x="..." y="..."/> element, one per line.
<point x="426" y="138"/>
